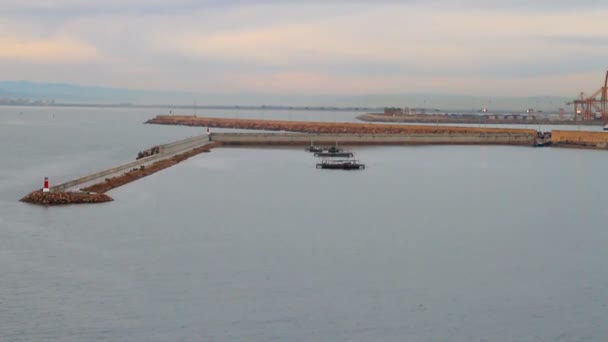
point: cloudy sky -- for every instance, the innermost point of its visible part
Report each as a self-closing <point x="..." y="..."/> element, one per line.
<point x="310" y="47"/>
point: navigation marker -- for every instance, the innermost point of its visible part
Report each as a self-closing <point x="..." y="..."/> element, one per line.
<point x="46" y="185"/>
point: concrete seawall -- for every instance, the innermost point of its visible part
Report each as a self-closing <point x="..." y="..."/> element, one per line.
<point x="594" y="140"/>
<point x="184" y="144"/>
<point x="166" y="151"/>
<point x="373" y="139"/>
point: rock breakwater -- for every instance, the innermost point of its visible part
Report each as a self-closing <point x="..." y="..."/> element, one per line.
<point x="324" y="127"/>
<point x="63" y="198"/>
<point x="137" y="173"/>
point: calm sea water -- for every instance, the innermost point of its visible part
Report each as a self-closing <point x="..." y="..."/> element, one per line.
<point x="441" y="243"/>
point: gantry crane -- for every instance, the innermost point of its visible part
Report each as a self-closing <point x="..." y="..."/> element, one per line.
<point x="585" y="108"/>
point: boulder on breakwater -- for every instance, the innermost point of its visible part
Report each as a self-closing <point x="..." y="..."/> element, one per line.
<point x="149" y="152"/>
<point x="62" y="198"/>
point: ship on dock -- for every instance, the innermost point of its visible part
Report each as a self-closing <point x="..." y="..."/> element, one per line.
<point x="347" y="164"/>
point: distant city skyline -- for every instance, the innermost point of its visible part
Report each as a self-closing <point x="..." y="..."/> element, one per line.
<point x="313" y="48"/>
<point x="26" y="92"/>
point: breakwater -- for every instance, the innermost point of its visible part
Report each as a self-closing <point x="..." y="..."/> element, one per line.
<point x="165" y="151"/>
<point x="96" y="184"/>
<point x="137" y="173"/>
<point x="580" y="139"/>
<point x="324" y="127"/>
<point x="453" y="138"/>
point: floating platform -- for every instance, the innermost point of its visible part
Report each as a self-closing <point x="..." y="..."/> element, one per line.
<point x="335" y="154"/>
<point x="348" y="164"/>
<point x="332" y="149"/>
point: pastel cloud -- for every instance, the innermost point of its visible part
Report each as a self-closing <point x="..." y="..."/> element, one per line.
<point x="383" y="36"/>
<point x="59" y="50"/>
<point x="312" y="47"/>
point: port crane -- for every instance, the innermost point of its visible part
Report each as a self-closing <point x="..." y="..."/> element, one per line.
<point x="586" y="107"/>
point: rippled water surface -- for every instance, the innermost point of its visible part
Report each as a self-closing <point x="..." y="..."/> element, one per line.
<point x="438" y="243"/>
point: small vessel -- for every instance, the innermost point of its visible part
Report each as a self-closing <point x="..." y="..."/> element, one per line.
<point x="334" y="154"/>
<point x="334" y="149"/>
<point x="313" y="149"/>
<point x="542" y="139"/>
<point x="606" y="128"/>
<point x="348" y="164"/>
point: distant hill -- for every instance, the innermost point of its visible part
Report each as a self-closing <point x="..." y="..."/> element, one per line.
<point x="71" y="93"/>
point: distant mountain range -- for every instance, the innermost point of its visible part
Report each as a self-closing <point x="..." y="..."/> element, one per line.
<point x="78" y="94"/>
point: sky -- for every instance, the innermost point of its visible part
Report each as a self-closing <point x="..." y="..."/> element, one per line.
<point x="468" y="47"/>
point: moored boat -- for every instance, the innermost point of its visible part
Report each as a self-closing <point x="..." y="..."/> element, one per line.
<point x="313" y="149"/>
<point x="348" y="164"/>
<point x="334" y="154"/>
<point x="334" y="149"/>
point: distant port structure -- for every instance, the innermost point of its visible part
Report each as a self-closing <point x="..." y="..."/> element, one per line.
<point x="587" y="110"/>
<point x="594" y="107"/>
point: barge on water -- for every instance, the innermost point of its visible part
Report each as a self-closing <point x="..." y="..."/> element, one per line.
<point x="335" y="154"/>
<point x="348" y="164"/>
<point x="316" y="149"/>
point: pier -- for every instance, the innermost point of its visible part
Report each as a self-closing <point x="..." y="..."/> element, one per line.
<point x="91" y="188"/>
<point x="453" y="138"/>
<point x="167" y="151"/>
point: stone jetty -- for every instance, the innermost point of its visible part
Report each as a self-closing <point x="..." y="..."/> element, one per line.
<point x="96" y="193"/>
